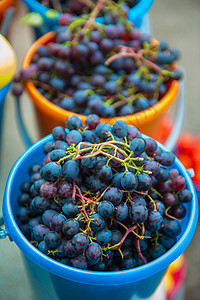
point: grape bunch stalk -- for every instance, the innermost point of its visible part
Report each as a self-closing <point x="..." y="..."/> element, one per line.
<point x="104" y="199"/>
<point x="109" y="69"/>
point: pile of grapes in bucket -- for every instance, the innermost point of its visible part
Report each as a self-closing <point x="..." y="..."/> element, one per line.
<point x="111" y="70"/>
<point x="79" y="7"/>
<point x="105" y="198"/>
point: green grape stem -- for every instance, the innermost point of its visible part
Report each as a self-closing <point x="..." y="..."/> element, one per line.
<point x="169" y="216"/>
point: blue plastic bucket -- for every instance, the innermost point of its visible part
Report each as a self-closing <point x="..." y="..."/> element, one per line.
<point x="49" y="277"/>
<point x="135" y="14"/>
<point x="3" y="93"/>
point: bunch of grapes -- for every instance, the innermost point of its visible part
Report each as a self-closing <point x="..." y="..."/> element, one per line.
<point x="105" y="198"/>
<point x="105" y="69"/>
<point x="79" y="7"/>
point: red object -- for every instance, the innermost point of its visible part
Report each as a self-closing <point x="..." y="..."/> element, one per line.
<point x="175" y="277"/>
<point x="188" y="152"/>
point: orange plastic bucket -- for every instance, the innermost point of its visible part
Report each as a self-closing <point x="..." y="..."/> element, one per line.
<point x="50" y="115"/>
<point x="4" y="5"/>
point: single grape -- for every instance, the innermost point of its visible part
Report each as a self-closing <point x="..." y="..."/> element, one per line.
<point x="105" y="209"/>
<point x="93" y="253"/>
<point x="52" y="239"/>
<point x="70" y="228"/>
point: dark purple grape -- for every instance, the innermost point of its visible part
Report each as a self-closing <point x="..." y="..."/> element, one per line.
<point x="138" y="213"/>
<point x="178" y="183"/>
<point x="57" y="154"/>
<point x="154" y="221"/>
<point x="47" y="216"/>
<point x="169" y="199"/>
<point x="70" y="170"/>
<point x="22" y="214"/>
<point x="132" y="133"/>
<point x="167" y="242"/>
<point x="106" y="174"/>
<point x="93" y="253"/>
<point x="69" y="249"/>
<point x="92" y="121"/>
<point x="17" y="89"/>
<point x="185" y="196"/>
<point x="167" y="158"/>
<point x="138" y="145"/>
<point x="144" y="182"/>
<point x="52" y="239"/>
<point x="128" y="263"/>
<point x="97" y="222"/>
<point x="38" y="233"/>
<point x="70" y="210"/>
<point x="121" y="212"/>
<point x="79" y="262"/>
<point x="65" y="189"/>
<point x="156" y="251"/>
<point x="70" y="228"/>
<point x="129" y="181"/>
<point x="116" y="180"/>
<point x="45" y="63"/>
<point x="103" y="237"/>
<point x="172" y="228"/>
<point x="59" y="133"/>
<point x="23" y="199"/>
<point x="152" y="166"/>
<point x="80" y="242"/>
<point x="57" y="221"/>
<point x="74" y="137"/>
<point x="42" y="246"/>
<point x="39" y="204"/>
<point x="178" y="211"/>
<point x="89" y="162"/>
<point x="73" y="123"/>
<point x="120" y="128"/>
<point x="105" y="209"/>
<point x="51" y="171"/>
<point x="89" y="136"/>
<point x="48" y="190"/>
<point x="163" y="174"/>
<point x="116" y="237"/>
<point x="114" y="195"/>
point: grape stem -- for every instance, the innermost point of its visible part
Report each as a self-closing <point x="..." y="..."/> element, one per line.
<point x="130" y="52"/>
<point x="83" y="202"/>
<point x="90" y="22"/>
<point x="169" y="216"/>
<point x="139" y="250"/>
<point x="74" y="190"/>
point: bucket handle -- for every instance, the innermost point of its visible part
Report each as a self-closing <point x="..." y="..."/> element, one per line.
<point x="7" y="20"/>
<point x="3" y="232"/>
<point x="170" y="143"/>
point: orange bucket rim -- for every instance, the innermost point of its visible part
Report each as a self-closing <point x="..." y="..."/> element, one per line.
<point x="146" y="116"/>
<point x="4" y="4"/>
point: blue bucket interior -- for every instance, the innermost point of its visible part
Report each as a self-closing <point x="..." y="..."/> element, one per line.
<point x="135" y="14"/>
<point x="90" y="284"/>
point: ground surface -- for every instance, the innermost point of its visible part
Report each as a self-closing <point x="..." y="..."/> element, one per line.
<point x="176" y="21"/>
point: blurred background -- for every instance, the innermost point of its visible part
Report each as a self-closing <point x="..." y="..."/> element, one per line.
<point x="175" y="21"/>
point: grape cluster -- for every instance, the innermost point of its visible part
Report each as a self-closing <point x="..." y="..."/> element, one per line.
<point x="105" y="198"/>
<point x="105" y="69"/>
<point x="79" y="7"/>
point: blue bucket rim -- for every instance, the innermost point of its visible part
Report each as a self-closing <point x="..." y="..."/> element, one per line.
<point x="4" y="91"/>
<point x="93" y="277"/>
<point x="139" y="10"/>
